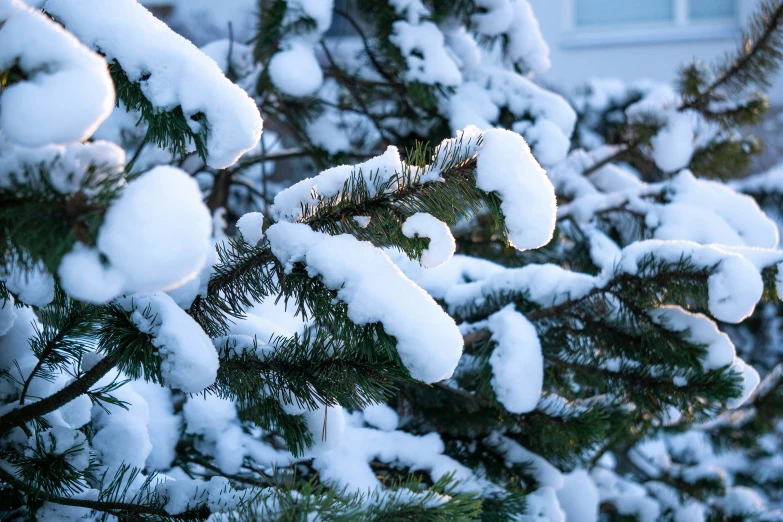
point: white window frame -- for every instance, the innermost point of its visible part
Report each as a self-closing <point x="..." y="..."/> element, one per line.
<point x="681" y="29"/>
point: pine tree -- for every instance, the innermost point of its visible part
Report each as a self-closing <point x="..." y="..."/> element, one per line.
<point x="487" y="302"/>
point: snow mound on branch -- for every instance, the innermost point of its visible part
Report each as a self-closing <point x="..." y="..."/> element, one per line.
<point x="517" y="362"/>
<point x="423" y="47"/>
<point x="506" y="166"/>
<point x="295" y="70"/>
<point x="348" y="464"/>
<point x="68" y="92"/>
<point x="170" y="70"/>
<point x="189" y="360"/>
<point x="157" y="234"/>
<point x="741" y="213"/>
<point x="514" y="19"/>
<point x="69" y="168"/>
<point x="251" y="227"/>
<point x="442" y="244"/>
<point x="375" y="290"/>
<point x="734" y="288"/>
<point x="701" y="331"/>
<point x="579" y="497"/>
<point x="544" y="472"/>
<point x="288" y="203"/>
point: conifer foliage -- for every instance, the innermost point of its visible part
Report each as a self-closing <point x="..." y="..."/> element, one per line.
<point x="480" y="301"/>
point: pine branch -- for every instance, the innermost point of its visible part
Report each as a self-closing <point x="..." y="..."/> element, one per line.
<point x="80" y="386"/>
<point x="125" y="511"/>
<point x="755" y="61"/>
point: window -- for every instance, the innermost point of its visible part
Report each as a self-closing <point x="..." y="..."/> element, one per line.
<point x="633" y="13"/>
<point x="710" y="9"/>
<point x="593" y="13"/>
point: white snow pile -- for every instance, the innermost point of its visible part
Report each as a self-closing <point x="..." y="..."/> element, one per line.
<point x="734" y="288"/>
<point x="189" y="360"/>
<point x="294" y="68"/>
<point x="506" y="166"/>
<point x="251" y="227"/>
<point x="348" y="464"/>
<point x="69" y="168"/>
<point x="515" y="21"/>
<point x="63" y="78"/>
<point x="545" y="119"/>
<point x="422" y="46"/>
<point x="700" y="330"/>
<point x="517" y="362"/>
<point x="288" y="203"/>
<point x="441" y="246"/>
<point x="374" y="289"/>
<point x="155" y="236"/>
<point x="171" y="71"/>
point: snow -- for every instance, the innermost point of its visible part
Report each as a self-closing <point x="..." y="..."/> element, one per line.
<point x="189" y="361"/>
<point x="155" y="236"/>
<point x="326" y="425"/>
<point x="295" y="70"/>
<point x="517" y="362"/>
<point x="69" y="168"/>
<point x="543" y="472"/>
<point x="375" y="290"/>
<point x="441" y="246"/>
<point x="64" y="78"/>
<point x="413" y="10"/>
<point x="542" y="506"/>
<point x="506" y="166"/>
<point x="545" y="119"/>
<point x="170" y="70"/>
<point x="579" y="497"/>
<point x="348" y="464"/>
<point x="750" y="380"/>
<point x="381" y="416"/>
<point x="673" y="145"/>
<point x="163" y="425"/>
<point x="546" y="285"/>
<point x="423" y="47"/>
<point x="734" y="288"/>
<point x="7" y="315"/>
<point x="515" y="20"/>
<point x="740" y="212"/>
<point x="699" y="330"/>
<point x="288" y="203"/>
<point x="186" y="494"/>
<point x="33" y="286"/>
<point x="84" y="276"/>
<point x="740" y="500"/>
<point x="251" y="227"/>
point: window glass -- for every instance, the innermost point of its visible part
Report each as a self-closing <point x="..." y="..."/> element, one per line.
<point x="620" y="12"/>
<point x="709" y="9"/>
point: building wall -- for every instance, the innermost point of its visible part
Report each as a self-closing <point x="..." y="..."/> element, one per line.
<point x="628" y="53"/>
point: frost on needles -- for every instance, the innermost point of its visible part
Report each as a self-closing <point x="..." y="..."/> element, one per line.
<point x="431" y="290"/>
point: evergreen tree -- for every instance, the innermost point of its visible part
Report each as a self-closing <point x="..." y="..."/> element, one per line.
<point x="487" y="302"/>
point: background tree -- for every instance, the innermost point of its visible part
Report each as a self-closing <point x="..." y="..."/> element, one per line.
<point x="184" y="336"/>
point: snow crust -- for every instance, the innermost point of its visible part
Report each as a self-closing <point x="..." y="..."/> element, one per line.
<point x="171" y="71"/>
<point x="375" y="290"/>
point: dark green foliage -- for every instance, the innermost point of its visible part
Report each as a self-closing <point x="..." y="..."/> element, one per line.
<point x="38" y="223"/>
<point x="168" y="129"/>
